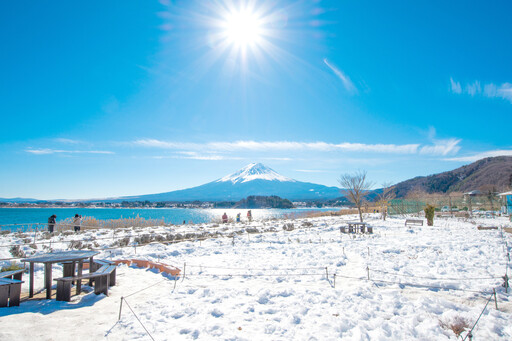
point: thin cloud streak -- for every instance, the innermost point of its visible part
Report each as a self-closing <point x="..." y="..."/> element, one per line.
<point x="310" y="171"/>
<point x="67" y="141"/>
<point x="489" y="90"/>
<point x="440" y="147"/>
<point x="479" y="156"/>
<point x="47" y="151"/>
<point x="347" y="83"/>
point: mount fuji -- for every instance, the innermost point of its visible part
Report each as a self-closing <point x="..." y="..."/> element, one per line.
<point x="253" y="179"/>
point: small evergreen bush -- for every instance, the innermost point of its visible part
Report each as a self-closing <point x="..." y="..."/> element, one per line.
<point x="429" y="214"/>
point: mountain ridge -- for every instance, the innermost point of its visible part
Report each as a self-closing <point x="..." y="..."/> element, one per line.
<point x="254" y="179"/>
<point x="494" y="171"/>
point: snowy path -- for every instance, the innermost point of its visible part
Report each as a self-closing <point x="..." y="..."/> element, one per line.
<point x="274" y="286"/>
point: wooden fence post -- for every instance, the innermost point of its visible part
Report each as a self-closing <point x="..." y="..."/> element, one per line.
<point x="120" y="308"/>
<point x="495" y="300"/>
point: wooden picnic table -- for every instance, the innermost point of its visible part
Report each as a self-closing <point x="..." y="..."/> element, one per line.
<point x="57" y="257"/>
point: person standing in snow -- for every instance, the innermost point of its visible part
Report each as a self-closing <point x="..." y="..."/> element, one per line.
<point x="51" y="223"/>
<point x="238" y="217"/>
<point x="77" y="220"/>
<point x="249" y="215"/>
<point x="224" y="218"/>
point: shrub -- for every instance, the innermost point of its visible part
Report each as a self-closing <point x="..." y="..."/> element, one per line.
<point x="11" y="267"/>
<point x="17" y="252"/>
<point x="76" y="244"/>
<point x="288" y="227"/>
<point x="143" y="239"/>
<point x="458" y="325"/>
<point x="122" y="242"/>
<point x="429" y="214"/>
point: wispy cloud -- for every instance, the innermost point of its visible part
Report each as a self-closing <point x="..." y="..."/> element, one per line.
<point x="456" y="88"/>
<point x="503" y="91"/>
<point x="67" y="141"/>
<point x="45" y="151"/>
<point x="482" y="155"/>
<point x="440" y="147"/>
<point x="189" y="155"/>
<point x="347" y="83"/>
<point x="490" y="90"/>
<point x="310" y="171"/>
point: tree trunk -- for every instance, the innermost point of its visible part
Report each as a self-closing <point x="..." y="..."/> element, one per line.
<point x="360" y="214"/>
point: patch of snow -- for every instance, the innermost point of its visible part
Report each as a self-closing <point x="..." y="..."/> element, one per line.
<point x="274" y="286"/>
<point x="255" y="171"/>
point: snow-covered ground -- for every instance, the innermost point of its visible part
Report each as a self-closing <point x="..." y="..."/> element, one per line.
<point x="281" y="285"/>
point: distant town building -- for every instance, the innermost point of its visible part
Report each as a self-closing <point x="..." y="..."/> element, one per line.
<point x="506" y="202"/>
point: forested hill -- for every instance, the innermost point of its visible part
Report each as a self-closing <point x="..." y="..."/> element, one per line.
<point x="496" y="171"/>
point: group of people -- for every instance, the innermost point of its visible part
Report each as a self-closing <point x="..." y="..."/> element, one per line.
<point x="238" y="217"/>
<point x="77" y="222"/>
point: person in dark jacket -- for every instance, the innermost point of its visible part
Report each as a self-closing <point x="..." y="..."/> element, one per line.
<point x="224" y="218"/>
<point x="77" y="220"/>
<point x="51" y="222"/>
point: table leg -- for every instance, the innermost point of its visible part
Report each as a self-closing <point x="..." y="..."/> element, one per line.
<point x="79" y="273"/>
<point x="73" y="271"/>
<point x="48" y="280"/>
<point x="91" y="262"/>
<point x="31" y="281"/>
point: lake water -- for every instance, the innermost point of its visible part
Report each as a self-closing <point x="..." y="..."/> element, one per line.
<point x="21" y="218"/>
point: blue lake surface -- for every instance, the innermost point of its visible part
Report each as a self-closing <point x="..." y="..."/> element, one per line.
<point x="23" y="217"/>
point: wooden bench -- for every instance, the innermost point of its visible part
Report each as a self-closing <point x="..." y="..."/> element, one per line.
<point x="13" y="274"/>
<point x="480" y="227"/>
<point x="10" y="290"/>
<point x="104" y="277"/>
<point x="355" y="226"/>
<point x="418" y="222"/>
<point x="69" y="267"/>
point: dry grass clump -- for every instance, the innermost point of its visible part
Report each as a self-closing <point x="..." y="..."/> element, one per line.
<point x="17" y="252"/>
<point x="94" y="223"/>
<point x="457" y="325"/>
<point x="11" y="267"/>
<point x="288" y="227"/>
<point x="121" y="242"/>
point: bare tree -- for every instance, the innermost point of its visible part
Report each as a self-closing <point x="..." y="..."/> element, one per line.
<point x="355" y="187"/>
<point x="490" y="192"/>
<point x="384" y="197"/>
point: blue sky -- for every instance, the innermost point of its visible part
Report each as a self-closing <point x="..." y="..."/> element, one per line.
<point x="109" y="98"/>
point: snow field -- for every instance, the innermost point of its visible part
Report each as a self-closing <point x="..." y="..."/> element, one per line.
<point x="274" y="286"/>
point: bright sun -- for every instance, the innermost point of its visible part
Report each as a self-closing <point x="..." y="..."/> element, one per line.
<point x="243" y="28"/>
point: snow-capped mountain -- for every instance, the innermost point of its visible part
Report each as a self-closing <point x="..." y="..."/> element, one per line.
<point x="254" y="171"/>
<point x="253" y="179"/>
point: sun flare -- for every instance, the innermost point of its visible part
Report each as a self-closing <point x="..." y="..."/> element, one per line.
<point x="243" y="28"/>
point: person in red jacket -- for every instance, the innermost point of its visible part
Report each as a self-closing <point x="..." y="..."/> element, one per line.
<point x="224" y="218"/>
<point x="249" y="215"/>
